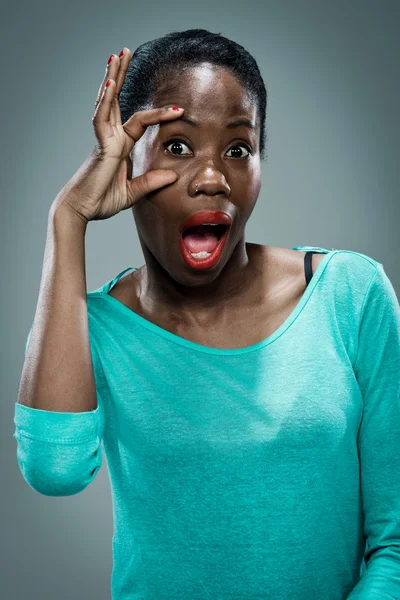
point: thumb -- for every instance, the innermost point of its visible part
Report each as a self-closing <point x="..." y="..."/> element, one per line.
<point x="150" y="181"/>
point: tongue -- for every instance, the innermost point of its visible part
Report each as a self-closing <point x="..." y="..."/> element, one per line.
<point x="201" y="239"/>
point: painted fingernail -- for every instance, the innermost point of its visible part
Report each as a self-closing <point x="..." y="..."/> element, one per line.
<point x="108" y="82"/>
<point x="175" y="108"/>
<point x="110" y="59"/>
<point x="121" y="53"/>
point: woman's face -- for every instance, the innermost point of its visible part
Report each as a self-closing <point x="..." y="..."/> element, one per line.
<point x="209" y="154"/>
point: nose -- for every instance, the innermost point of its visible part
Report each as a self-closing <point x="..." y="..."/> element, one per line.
<point x="209" y="186"/>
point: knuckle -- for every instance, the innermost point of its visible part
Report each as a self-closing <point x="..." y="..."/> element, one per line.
<point x="142" y="185"/>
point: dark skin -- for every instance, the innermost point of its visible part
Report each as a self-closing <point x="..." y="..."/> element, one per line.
<point x="221" y="306"/>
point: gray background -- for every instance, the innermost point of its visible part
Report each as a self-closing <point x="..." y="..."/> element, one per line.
<point x="331" y="180"/>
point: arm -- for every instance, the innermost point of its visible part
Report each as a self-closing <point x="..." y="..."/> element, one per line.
<point x="57" y="374"/>
<point x="58" y="423"/>
<point x="377" y="369"/>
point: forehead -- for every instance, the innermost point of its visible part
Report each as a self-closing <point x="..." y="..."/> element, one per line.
<point x="207" y="89"/>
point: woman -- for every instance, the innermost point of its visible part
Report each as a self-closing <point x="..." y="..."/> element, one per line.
<point x="247" y="400"/>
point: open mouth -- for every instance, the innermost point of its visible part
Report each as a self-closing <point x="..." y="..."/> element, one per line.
<point x="202" y="240"/>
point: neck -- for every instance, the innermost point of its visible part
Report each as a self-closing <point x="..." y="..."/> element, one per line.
<point x="202" y="292"/>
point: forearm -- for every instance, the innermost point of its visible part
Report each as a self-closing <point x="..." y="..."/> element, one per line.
<point x="57" y="374"/>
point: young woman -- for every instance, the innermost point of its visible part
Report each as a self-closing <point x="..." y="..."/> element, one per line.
<point x="246" y="396"/>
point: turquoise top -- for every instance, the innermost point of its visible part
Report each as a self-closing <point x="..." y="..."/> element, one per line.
<point x="270" y="471"/>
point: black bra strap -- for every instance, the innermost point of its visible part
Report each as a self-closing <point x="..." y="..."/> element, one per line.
<point x="308" y="266"/>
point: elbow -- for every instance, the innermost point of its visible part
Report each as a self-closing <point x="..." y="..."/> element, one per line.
<point x="58" y="469"/>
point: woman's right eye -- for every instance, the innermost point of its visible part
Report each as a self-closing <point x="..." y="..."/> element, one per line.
<point x="177" y="144"/>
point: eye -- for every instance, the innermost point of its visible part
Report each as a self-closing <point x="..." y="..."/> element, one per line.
<point x="242" y="146"/>
<point x="177" y="143"/>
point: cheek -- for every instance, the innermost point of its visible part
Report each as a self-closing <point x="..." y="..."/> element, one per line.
<point x="255" y="184"/>
<point x="252" y="194"/>
<point x="152" y="225"/>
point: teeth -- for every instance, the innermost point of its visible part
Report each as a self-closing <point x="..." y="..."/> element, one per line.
<point x="200" y="254"/>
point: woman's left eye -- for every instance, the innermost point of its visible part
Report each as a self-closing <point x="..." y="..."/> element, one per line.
<point x="241" y="146"/>
<point x="178" y="143"/>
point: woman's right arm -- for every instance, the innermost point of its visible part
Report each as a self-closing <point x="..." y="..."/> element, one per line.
<point x="58" y="425"/>
<point x="58" y="371"/>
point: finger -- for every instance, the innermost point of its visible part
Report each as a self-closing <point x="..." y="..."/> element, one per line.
<point x="101" y="119"/>
<point x="149" y="182"/>
<point x="120" y="78"/>
<point x="137" y="124"/>
<point x="111" y="71"/>
<point x="105" y="78"/>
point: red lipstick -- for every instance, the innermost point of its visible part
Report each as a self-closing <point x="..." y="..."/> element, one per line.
<point x="216" y="217"/>
<point x="201" y="218"/>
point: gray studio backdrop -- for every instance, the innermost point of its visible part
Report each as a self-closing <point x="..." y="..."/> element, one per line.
<point x="331" y="180"/>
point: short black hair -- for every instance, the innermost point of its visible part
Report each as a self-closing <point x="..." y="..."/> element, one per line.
<point x="158" y="62"/>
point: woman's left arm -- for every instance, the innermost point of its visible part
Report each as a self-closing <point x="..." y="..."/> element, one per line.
<point x="377" y="369"/>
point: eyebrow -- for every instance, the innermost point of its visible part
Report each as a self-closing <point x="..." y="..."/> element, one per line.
<point x="236" y="123"/>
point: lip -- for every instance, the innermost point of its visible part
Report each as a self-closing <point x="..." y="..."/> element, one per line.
<point x="203" y="264"/>
<point x="216" y="217"/>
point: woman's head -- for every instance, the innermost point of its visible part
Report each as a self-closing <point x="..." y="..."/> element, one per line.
<point x="158" y="63"/>
<point x="216" y="81"/>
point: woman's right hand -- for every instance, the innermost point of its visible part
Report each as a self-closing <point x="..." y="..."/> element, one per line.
<point x="102" y="186"/>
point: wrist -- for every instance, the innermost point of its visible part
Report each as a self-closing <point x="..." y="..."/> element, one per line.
<point x="63" y="216"/>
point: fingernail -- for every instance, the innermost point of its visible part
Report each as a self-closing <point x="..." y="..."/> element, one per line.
<point x="121" y="53"/>
<point x="175" y="108"/>
<point x="110" y="59"/>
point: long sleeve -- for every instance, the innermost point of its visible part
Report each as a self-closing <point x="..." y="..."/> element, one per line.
<point x="59" y="453"/>
<point x="377" y="369"/>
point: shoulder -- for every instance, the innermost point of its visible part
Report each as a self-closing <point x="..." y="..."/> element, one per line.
<point x="127" y="289"/>
<point x="352" y="263"/>
<point x="344" y="268"/>
<point x="347" y="277"/>
<point x="357" y="268"/>
<point x="287" y="261"/>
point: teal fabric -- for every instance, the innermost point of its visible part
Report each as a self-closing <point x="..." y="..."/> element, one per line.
<point x="265" y="472"/>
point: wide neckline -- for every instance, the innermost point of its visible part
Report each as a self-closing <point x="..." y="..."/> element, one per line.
<point x="177" y="339"/>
